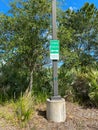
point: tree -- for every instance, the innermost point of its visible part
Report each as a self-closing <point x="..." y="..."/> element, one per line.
<point x="23" y="34"/>
<point x="78" y="33"/>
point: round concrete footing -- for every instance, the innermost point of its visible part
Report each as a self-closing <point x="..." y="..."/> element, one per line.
<point x="56" y="110"/>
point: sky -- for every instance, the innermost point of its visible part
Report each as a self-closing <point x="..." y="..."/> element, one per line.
<point x="4" y="5"/>
<point x="76" y="4"/>
<point x="72" y="4"/>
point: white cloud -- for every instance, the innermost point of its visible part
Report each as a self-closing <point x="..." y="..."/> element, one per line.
<point x="72" y="8"/>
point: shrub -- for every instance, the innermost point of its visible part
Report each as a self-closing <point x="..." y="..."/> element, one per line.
<point x="93" y="83"/>
<point x="81" y="88"/>
<point x="79" y="85"/>
<point x="86" y="87"/>
<point x="66" y="78"/>
<point x="24" y="108"/>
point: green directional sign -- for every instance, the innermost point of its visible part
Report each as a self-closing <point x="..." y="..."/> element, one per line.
<point x="54" y="49"/>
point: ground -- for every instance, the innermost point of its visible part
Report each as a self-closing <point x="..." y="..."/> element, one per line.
<point x="78" y="118"/>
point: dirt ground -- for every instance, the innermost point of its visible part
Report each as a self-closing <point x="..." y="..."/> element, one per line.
<point x="78" y="118"/>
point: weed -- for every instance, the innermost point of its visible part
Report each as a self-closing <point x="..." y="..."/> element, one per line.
<point x="40" y="97"/>
<point x="24" y="109"/>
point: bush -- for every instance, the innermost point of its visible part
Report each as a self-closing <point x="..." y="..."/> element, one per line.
<point x="93" y="83"/>
<point x="24" y="108"/>
<point x="86" y="87"/>
<point x="66" y="78"/>
<point x="81" y="88"/>
<point x="13" y="81"/>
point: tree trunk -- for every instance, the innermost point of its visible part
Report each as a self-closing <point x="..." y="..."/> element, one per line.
<point x="31" y="81"/>
<point x="29" y="89"/>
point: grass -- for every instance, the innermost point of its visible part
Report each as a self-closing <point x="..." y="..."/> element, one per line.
<point x="40" y="98"/>
<point x="7" y="113"/>
<point x="19" y="112"/>
<point x="24" y="109"/>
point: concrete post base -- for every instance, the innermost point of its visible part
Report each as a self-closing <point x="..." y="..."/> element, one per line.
<point x="56" y="110"/>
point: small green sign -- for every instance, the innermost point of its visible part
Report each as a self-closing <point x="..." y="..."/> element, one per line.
<point x="54" y="49"/>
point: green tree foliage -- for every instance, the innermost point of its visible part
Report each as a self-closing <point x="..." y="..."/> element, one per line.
<point x="78" y="33"/>
<point x="13" y="81"/>
<point x="23" y="35"/>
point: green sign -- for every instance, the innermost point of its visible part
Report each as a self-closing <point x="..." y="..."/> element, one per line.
<point x="54" y="49"/>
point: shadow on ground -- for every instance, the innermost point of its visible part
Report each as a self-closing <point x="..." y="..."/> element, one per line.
<point x="42" y="113"/>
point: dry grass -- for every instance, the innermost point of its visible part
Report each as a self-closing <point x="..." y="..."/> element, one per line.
<point x="78" y="118"/>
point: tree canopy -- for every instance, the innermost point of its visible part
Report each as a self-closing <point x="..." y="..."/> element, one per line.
<point x="78" y="33"/>
<point x="23" y="34"/>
